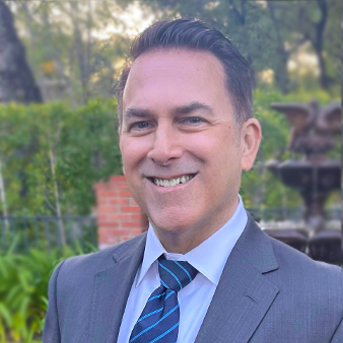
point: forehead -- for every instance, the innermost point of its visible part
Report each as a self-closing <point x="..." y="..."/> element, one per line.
<point x="175" y="74"/>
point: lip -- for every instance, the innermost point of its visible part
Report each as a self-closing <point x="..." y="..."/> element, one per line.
<point x="169" y="189"/>
<point x="150" y="177"/>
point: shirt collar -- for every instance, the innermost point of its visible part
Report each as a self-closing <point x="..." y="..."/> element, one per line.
<point x="209" y="257"/>
<point x="153" y="250"/>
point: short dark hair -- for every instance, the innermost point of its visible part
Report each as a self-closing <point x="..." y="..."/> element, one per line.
<point x="196" y="35"/>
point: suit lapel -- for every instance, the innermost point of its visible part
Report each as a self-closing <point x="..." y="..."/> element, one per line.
<point x="243" y="295"/>
<point x="111" y="290"/>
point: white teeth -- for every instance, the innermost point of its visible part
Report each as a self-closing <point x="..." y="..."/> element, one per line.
<point x="172" y="182"/>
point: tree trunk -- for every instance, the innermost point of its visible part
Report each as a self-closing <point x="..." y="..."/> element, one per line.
<point x="57" y="199"/>
<point x="3" y="198"/>
<point x="82" y="52"/>
<point x="318" y="43"/>
<point x="16" y="79"/>
<point x="281" y="73"/>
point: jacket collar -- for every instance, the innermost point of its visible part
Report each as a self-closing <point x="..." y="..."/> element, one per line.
<point x="241" y="300"/>
<point x="243" y="295"/>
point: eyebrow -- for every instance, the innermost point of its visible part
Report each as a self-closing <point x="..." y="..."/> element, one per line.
<point x="137" y="112"/>
<point x="193" y="106"/>
<point x="178" y="110"/>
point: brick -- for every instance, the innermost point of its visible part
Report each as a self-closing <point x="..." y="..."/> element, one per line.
<point x="118" y="201"/>
<point x="138" y="221"/>
<point x="130" y="209"/>
<point x="118" y="216"/>
<point x="102" y="201"/>
<point x="133" y="202"/>
<point x="117" y="178"/>
<point x="136" y="225"/>
<point x="118" y="232"/>
<point x="108" y="193"/>
<point x="108" y="209"/>
<point x="124" y="194"/>
<point x="101" y="218"/>
<point x="109" y="217"/>
<point x="112" y="241"/>
<point x="106" y="235"/>
<point x="108" y="230"/>
<point x="138" y="216"/>
<point x="107" y="224"/>
<point x="125" y="238"/>
<point x="101" y="186"/>
<point x="120" y="185"/>
<point x="136" y="232"/>
<point x="114" y="217"/>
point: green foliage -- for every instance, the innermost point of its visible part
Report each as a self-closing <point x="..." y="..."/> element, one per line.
<point x="72" y="37"/>
<point x="85" y="150"/>
<point x="65" y="42"/>
<point x="272" y="33"/>
<point x="23" y="292"/>
<point x="44" y="148"/>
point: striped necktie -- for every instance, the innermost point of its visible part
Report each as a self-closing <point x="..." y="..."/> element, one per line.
<point x="159" y="321"/>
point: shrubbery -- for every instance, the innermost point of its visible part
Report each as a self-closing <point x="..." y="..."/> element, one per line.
<point x="23" y="293"/>
<point x="49" y="147"/>
<point x="81" y="145"/>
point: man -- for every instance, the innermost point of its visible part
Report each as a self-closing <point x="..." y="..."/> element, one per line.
<point x="204" y="271"/>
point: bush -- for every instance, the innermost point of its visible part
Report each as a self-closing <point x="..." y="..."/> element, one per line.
<point x="82" y="145"/>
<point x="51" y="147"/>
<point x="23" y="293"/>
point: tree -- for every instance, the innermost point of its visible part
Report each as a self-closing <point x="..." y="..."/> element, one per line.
<point x="65" y="43"/>
<point x="16" y="80"/>
<point x="270" y="33"/>
<point x="298" y="22"/>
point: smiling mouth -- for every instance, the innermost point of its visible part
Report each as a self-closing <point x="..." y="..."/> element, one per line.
<point x="172" y="182"/>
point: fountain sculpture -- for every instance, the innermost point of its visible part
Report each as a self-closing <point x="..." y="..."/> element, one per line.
<point x="315" y="176"/>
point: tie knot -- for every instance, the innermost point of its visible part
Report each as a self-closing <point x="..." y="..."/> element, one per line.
<point x="175" y="274"/>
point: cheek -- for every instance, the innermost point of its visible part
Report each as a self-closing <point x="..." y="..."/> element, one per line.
<point x="214" y="148"/>
<point x="221" y="162"/>
<point x="133" y="150"/>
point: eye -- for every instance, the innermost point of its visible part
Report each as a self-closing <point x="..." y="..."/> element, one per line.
<point x="192" y="120"/>
<point x="141" y="125"/>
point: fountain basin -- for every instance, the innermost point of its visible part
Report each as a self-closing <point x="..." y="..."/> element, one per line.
<point x="308" y="176"/>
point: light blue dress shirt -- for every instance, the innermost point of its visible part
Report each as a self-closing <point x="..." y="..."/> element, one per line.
<point x="208" y="258"/>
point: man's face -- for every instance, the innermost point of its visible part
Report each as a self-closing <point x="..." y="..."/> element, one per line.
<point x="182" y="152"/>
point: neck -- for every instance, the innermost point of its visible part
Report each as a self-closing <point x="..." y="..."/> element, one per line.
<point x="181" y="240"/>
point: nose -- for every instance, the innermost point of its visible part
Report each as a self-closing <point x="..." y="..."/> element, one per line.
<point x="166" y="145"/>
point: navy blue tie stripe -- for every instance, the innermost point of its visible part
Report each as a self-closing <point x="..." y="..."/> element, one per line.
<point x="171" y="273"/>
<point x="161" y="336"/>
<point x="156" y="323"/>
<point x="184" y="269"/>
<point x="159" y="320"/>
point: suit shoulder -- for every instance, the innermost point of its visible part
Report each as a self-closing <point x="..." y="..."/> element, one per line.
<point x="81" y="265"/>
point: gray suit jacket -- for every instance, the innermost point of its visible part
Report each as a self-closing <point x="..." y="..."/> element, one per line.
<point x="268" y="293"/>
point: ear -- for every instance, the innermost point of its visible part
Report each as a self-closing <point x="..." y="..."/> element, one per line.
<point x="251" y="135"/>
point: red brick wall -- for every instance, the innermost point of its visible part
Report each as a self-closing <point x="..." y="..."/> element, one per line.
<point x="119" y="216"/>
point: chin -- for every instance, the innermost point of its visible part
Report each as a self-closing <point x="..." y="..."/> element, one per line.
<point x="172" y="222"/>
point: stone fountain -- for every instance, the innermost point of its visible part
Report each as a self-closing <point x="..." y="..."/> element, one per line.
<point x="315" y="176"/>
